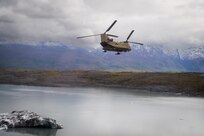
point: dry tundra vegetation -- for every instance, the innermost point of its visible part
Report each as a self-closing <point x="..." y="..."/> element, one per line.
<point x="187" y="84"/>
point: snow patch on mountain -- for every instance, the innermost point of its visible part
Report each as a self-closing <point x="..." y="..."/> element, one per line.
<point x="189" y="53"/>
<point x="193" y="53"/>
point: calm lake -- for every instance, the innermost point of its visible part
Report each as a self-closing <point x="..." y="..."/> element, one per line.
<point x="105" y="112"/>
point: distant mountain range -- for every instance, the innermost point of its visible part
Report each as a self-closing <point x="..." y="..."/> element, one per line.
<point x="57" y="56"/>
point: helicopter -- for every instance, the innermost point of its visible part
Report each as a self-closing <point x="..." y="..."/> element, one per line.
<point x="109" y="44"/>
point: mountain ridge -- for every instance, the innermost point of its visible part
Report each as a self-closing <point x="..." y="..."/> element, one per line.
<point x="58" y="56"/>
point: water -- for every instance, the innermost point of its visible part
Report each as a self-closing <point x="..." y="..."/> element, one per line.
<point x="104" y="112"/>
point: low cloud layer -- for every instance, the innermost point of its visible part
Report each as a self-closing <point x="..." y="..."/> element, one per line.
<point x="172" y="23"/>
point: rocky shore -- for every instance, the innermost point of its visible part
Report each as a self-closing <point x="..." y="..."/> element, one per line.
<point x="26" y="119"/>
<point x="186" y="84"/>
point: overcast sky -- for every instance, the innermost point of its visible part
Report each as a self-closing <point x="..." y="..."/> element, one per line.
<point x="172" y="23"/>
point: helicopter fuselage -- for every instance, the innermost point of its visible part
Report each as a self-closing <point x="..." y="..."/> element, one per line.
<point x="110" y="45"/>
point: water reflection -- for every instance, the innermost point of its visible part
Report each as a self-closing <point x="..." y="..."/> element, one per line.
<point x="105" y="112"/>
<point x="34" y="131"/>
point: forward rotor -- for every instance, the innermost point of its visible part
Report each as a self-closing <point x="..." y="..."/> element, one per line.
<point x="88" y="36"/>
<point x="111" y="35"/>
<point x="110" y="26"/>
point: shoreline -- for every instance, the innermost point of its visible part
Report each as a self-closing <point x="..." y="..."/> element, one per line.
<point x="177" y="84"/>
<point x="132" y="91"/>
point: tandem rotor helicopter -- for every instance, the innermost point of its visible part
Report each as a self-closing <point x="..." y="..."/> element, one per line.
<point x="109" y="44"/>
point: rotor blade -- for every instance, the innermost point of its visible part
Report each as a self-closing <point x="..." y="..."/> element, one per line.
<point x="88" y="36"/>
<point x="130" y="35"/>
<point x="137" y="43"/>
<point x="111" y="26"/>
<point x="112" y="35"/>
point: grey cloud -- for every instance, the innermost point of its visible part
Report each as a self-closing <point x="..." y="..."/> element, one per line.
<point x="127" y="7"/>
<point x="8" y="3"/>
<point x="197" y="5"/>
<point x="37" y="9"/>
<point x="171" y="22"/>
<point x="6" y="19"/>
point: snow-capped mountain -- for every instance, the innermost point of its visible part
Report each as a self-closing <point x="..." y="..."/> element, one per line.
<point x="172" y="53"/>
<point x="55" y="55"/>
<point x="193" y="53"/>
<point x="189" y="53"/>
